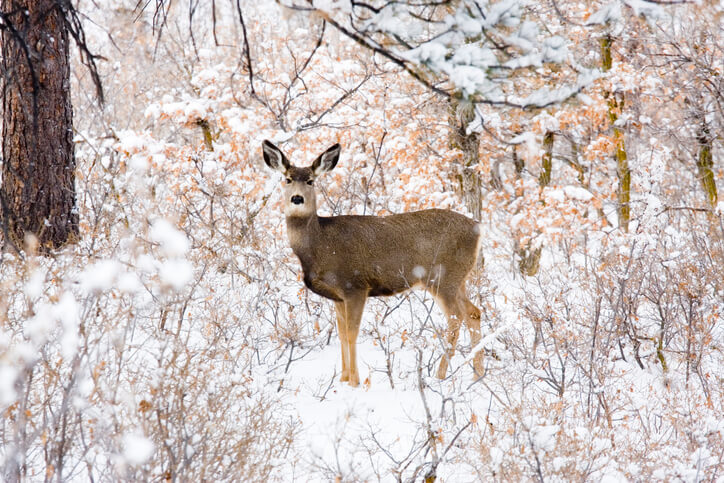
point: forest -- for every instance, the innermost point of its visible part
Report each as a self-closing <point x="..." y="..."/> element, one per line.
<point x="154" y="319"/>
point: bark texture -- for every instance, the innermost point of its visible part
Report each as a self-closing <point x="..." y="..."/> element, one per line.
<point x="705" y="164"/>
<point x="615" y="108"/>
<point x="544" y="178"/>
<point x="38" y="169"/>
<point x="460" y="116"/>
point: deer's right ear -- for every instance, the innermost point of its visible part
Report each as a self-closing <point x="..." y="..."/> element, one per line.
<point x="274" y="158"/>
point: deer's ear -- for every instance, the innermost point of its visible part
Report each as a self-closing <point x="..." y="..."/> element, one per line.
<point x="327" y="160"/>
<point x="274" y="158"/>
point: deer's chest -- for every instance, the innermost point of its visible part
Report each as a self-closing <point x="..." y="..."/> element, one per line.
<point x="322" y="279"/>
<point x="326" y="284"/>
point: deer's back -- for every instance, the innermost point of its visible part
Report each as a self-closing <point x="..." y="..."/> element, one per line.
<point x="383" y="255"/>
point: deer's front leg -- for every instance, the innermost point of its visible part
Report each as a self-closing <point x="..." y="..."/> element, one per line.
<point x="351" y="310"/>
<point x="342" y="332"/>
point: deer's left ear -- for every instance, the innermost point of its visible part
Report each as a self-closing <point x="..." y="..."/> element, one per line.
<point x="327" y="160"/>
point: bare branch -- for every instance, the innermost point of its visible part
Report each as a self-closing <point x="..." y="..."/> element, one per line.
<point x="75" y="28"/>
<point x="247" y="50"/>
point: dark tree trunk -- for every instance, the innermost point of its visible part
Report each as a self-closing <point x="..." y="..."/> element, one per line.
<point x="38" y="177"/>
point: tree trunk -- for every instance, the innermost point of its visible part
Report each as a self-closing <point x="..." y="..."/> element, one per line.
<point x="529" y="263"/>
<point x="705" y="164"/>
<point x="624" y="172"/>
<point x="461" y="115"/>
<point x="38" y="182"/>
<point x="544" y="178"/>
<point x="615" y="106"/>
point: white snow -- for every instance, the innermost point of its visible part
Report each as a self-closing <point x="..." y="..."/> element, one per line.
<point x="138" y="164"/>
<point x="35" y="285"/>
<point x="419" y="272"/>
<point x="341" y="6"/>
<point x="577" y="193"/>
<point x="719" y="210"/>
<point x="544" y="436"/>
<point x="555" y="194"/>
<point x="100" y="276"/>
<point x="67" y="311"/>
<point x="173" y="242"/>
<point x="610" y="12"/>
<point x="176" y="273"/>
<point x="8" y="376"/>
<point x="137" y="449"/>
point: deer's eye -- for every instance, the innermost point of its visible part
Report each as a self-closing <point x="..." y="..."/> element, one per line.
<point x="310" y="182"/>
<point x="289" y="180"/>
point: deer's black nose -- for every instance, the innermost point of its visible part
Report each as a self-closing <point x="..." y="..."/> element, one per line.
<point x="297" y="200"/>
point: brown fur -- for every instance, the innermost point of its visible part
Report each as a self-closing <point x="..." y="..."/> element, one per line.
<point x="349" y="258"/>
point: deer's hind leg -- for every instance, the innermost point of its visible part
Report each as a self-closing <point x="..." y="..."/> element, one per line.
<point x="453" y="309"/>
<point x="472" y="321"/>
<point x="342" y="332"/>
<point x="459" y="308"/>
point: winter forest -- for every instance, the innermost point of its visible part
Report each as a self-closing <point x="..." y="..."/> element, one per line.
<point x="154" y="320"/>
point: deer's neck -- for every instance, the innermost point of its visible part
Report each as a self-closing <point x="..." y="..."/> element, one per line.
<point x="302" y="232"/>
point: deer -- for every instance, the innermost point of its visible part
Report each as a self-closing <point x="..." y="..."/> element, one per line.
<point x="349" y="258"/>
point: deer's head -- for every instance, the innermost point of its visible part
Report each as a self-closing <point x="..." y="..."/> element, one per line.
<point x="299" y="197"/>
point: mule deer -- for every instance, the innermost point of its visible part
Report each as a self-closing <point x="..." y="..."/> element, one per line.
<point x="349" y="258"/>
